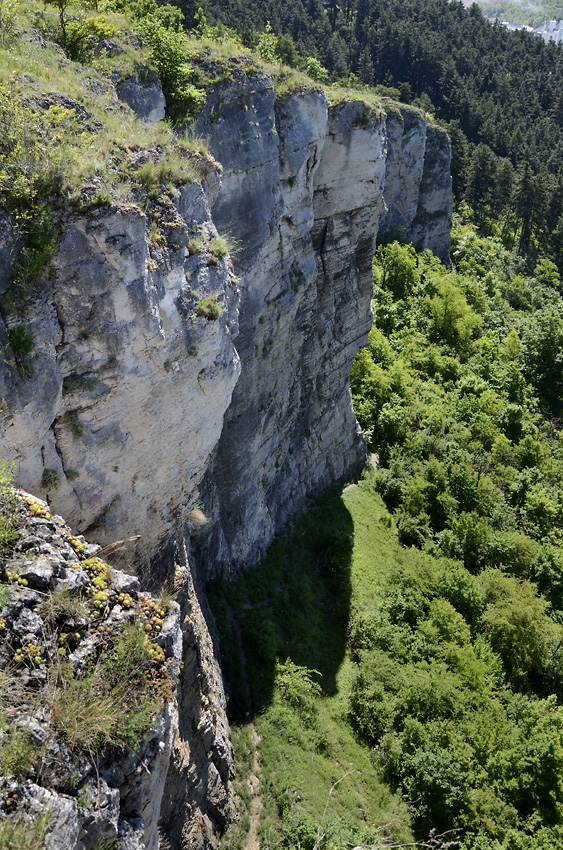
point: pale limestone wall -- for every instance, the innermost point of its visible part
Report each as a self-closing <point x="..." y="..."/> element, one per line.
<point x="129" y="385"/>
<point x="305" y="190"/>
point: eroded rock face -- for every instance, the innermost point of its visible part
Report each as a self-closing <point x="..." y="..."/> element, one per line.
<point x="306" y="188"/>
<point x="129" y="383"/>
<point x="418" y="192"/>
<point x="198" y="800"/>
<point x="143" y="94"/>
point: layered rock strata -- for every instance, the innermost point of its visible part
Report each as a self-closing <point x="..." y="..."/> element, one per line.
<point x="198" y="801"/>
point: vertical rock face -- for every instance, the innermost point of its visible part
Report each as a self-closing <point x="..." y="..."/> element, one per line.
<point x="198" y="801"/>
<point x="129" y="383"/>
<point x="418" y="193"/>
<point x="306" y="188"/>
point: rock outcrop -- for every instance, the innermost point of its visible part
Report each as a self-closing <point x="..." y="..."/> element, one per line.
<point x="130" y="383"/>
<point x="198" y="801"/>
<point x="57" y="629"/>
<point x="143" y="94"/>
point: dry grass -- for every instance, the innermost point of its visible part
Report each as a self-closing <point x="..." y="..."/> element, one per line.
<point x="88" y="719"/>
<point x="17" y="834"/>
<point x="62" y="604"/>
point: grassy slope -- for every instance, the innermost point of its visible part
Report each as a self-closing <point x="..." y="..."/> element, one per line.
<point x="305" y="750"/>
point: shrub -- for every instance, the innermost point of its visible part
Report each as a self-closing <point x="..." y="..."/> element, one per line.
<point x="168" y="51"/>
<point x="8" y="15"/>
<point x="82" y="35"/>
<point x="50" y="479"/>
<point x="209" y="308"/>
<point x="315" y="70"/>
<point x="15" y="834"/>
<point x="20" y="340"/>
<point x="40" y="244"/>
<point x="31" y="155"/>
<point x="219" y="247"/>
<point x="8" y="533"/>
<point x="72" y="420"/>
<point x="16" y="752"/>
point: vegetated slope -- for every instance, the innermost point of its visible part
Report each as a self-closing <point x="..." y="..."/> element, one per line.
<point x="435" y="625"/>
<point x="499" y="91"/>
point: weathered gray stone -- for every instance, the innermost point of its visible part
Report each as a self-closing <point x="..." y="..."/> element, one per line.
<point x="40" y="572"/>
<point x="305" y="191"/>
<point x="198" y="799"/>
<point x="27" y="623"/>
<point x="10" y="246"/>
<point x="98" y="813"/>
<point x="125" y="583"/>
<point x="147" y="380"/>
<point x="143" y="94"/>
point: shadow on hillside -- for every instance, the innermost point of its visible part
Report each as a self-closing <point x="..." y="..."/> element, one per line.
<point x="296" y="605"/>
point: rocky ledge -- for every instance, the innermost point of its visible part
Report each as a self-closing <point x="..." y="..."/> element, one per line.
<point x="88" y="670"/>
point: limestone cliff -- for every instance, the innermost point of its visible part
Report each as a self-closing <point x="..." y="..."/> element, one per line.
<point x="306" y="188"/>
<point x="141" y="401"/>
<point x="129" y="383"/>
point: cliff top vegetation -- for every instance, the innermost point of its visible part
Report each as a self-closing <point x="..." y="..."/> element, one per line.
<point x="498" y="93"/>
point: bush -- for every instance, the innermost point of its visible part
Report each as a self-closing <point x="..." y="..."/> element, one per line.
<point x="19" y="835"/>
<point x="209" y="308"/>
<point x="32" y="157"/>
<point x="8" y="533"/>
<point x="8" y="17"/>
<point x="315" y="70"/>
<point x="169" y="51"/>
